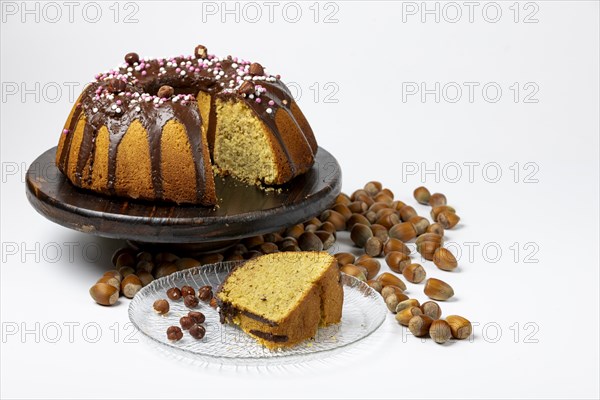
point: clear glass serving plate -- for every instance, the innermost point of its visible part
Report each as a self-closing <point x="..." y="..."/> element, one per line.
<point x="363" y="312"/>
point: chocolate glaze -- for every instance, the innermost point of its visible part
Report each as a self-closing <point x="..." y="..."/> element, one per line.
<point x="120" y="96"/>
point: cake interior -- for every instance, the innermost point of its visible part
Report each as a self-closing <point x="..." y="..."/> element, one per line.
<point x="241" y="147"/>
<point x="267" y="291"/>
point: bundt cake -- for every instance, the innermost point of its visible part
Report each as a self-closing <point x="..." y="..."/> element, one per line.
<point x="157" y="129"/>
<point x="281" y="299"/>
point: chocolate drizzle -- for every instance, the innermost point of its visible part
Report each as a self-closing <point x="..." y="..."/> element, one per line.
<point x="116" y="106"/>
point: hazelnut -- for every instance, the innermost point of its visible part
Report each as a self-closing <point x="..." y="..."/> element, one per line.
<point x="145" y="278"/>
<point x="344" y="258"/>
<point x="435" y="228"/>
<point x="360" y="233"/>
<point x="343" y="210"/>
<point x="356" y="219"/>
<point x="460" y="327"/>
<point x="294" y="231"/>
<point x="406" y="304"/>
<point x="114" y="274"/>
<point x="373" y="187"/>
<point x="268" y="248"/>
<point x="144" y="266"/>
<point x="438" y="290"/>
<point x="388" y="220"/>
<point x="422" y="195"/>
<point x="373" y="247"/>
<point x="404" y="316"/>
<point x="437" y="199"/>
<point x="435" y="211"/>
<point x="403" y="231"/>
<point x="447" y="219"/>
<point x="187" y="291"/>
<point x="444" y="260"/>
<point x="358" y="207"/>
<point x="187" y="263"/>
<point x="391" y="290"/>
<point x="342" y="198"/>
<point x="186" y="322"/>
<point x="165" y="257"/>
<point x="165" y="268"/>
<point x="197" y="316"/>
<point x="120" y="251"/>
<point x="174" y="333"/>
<point x="174" y="294"/>
<point x="431" y="309"/>
<point x="130" y="285"/>
<point x="326" y="238"/>
<point x="353" y="270"/>
<point x="104" y="294"/>
<point x="420" y="223"/>
<point x="109" y="280"/>
<point x="380" y="232"/>
<point x="144" y="256"/>
<point x="205" y="293"/>
<point x="419" y="325"/>
<point x="414" y="273"/>
<point x="124" y="271"/>
<point x="375" y="285"/>
<point x="337" y="219"/>
<point x="165" y="91"/>
<point x="397" y="261"/>
<point x="395" y="245"/>
<point x="387" y="279"/>
<point x="197" y="331"/>
<point x="371" y="265"/>
<point x="190" y="301"/>
<point x="125" y="259"/>
<point x="440" y="331"/>
<point x="308" y="241"/>
<point x="407" y="212"/>
<point x="161" y="306"/>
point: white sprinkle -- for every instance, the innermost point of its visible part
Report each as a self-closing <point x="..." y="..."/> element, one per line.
<point x="156" y="99"/>
<point x="95" y="109"/>
<point x="234" y="65"/>
<point x="269" y="110"/>
<point x="182" y="73"/>
<point x="285" y="102"/>
<point x="251" y="96"/>
<point x="138" y="109"/>
<point x="118" y="110"/>
<point x="114" y="107"/>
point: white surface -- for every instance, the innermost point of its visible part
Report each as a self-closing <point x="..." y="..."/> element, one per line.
<point x="374" y="136"/>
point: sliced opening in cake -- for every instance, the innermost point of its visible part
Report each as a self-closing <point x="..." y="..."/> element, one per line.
<point x="242" y="148"/>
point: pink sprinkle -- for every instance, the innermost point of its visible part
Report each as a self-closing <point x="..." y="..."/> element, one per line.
<point x="197" y="69"/>
<point x="183" y="103"/>
<point x="65" y="131"/>
<point x="143" y="73"/>
<point x="191" y="69"/>
<point x="128" y="94"/>
<point x="271" y="103"/>
<point x="177" y="69"/>
<point x="119" y="102"/>
<point x="258" y="100"/>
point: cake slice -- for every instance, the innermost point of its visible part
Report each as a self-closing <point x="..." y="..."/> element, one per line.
<point x="281" y="299"/>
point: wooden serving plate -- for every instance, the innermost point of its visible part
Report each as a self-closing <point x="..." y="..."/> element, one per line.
<point x="243" y="210"/>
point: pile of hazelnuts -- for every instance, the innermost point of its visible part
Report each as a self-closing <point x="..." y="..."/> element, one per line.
<point x="192" y="322"/>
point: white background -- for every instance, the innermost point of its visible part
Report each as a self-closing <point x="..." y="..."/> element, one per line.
<point x="367" y="56"/>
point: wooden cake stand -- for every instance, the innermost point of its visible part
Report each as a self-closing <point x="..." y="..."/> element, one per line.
<point x="242" y="211"/>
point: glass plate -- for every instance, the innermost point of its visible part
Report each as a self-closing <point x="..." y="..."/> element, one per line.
<point x="363" y="312"/>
